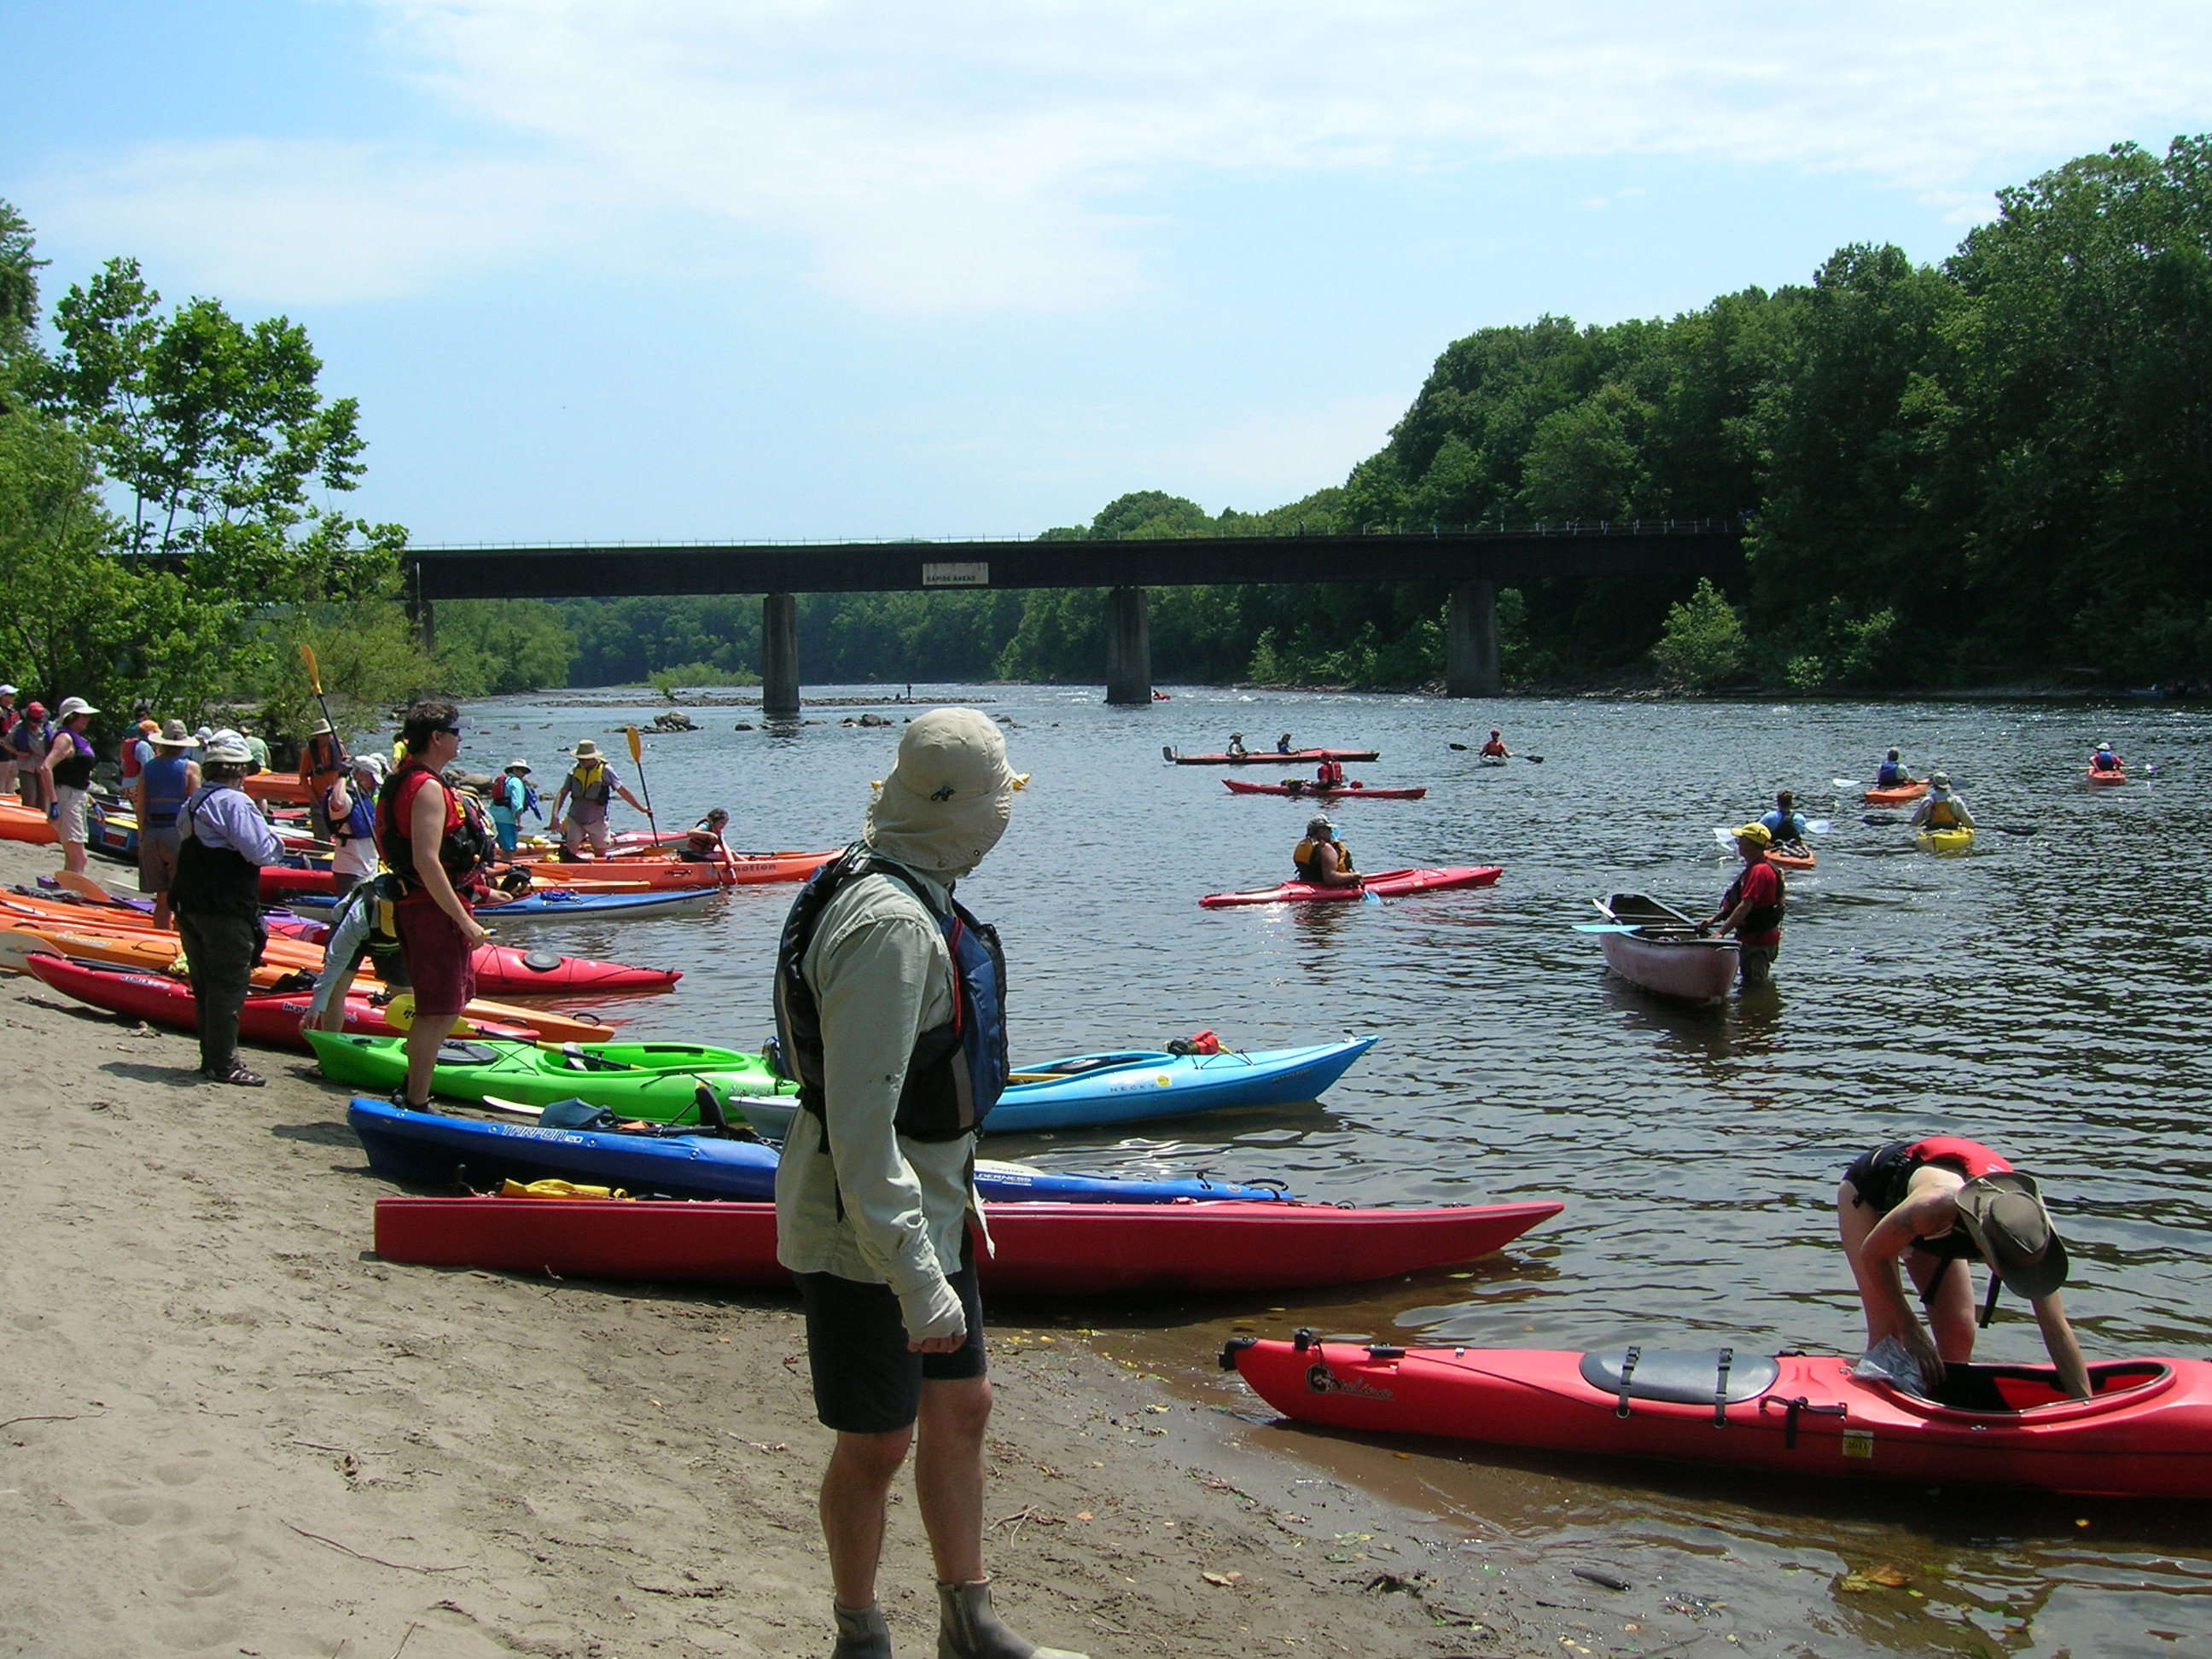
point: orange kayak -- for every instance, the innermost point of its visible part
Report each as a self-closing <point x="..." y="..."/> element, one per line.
<point x="283" y="788"/>
<point x="2106" y="780"/>
<point x="21" y="823"/>
<point x="1792" y="861"/>
<point x="743" y="869"/>
<point x="155" y="953"/>
<point x="1897" y="796"/>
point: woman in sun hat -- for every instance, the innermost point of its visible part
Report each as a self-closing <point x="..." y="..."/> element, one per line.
<point x="69" y="766"/>
<point x="590" y="785"/>
<point x="1933" y="1204"/>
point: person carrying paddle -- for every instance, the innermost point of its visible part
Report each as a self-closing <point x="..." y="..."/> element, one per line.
<point x="1751" y="910"/>
<point x="1931" y="1205"/>
<point x="1891" y="774"/>
<point x="223" y="841"/>
<point x="889" y="1002"/>
<point x="1496" y="748"/>
<point x="1785" y="823"/>
<point x="349" y="808"/>
<point x="322" y="763"/>
<point x="1321" y="860"/>
<point x="1940" y="808"/>
<point x="590" y="785"/>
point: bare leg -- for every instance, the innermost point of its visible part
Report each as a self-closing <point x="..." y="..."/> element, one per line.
<point x="1854" y="1221"/>
<point x="1951" y="1308"/>
<point x="854" y="1490"/>
<point x="948" y="1473"/>
<point x="423" y="1038"/>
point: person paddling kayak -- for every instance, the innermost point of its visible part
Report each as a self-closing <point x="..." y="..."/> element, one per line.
<point x="1940" y="808"/>
<point x="2105" y="760"/>
<point x="1329" y="774"/>
<point x="1892" y="774"/>
<point x="1785" y="823"/>
<point x="1322" y="860"/>
<point x="1496" y="748"/>
<point x="1236" y="745"/>
<point x="1932" y="1204"/>
<point x="1751" y="910"/>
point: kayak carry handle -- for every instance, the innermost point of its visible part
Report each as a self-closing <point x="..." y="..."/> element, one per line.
<point x="1302" y="1339"/>
<point x="1232" y="1347"/>
<point x="1791" y="1410"/>
<point x="1627" y="1370"/>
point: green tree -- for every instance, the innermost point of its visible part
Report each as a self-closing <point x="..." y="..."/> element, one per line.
<point x="1703" y="644"/>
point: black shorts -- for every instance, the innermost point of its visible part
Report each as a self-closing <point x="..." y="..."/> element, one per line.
<point x="865" y="1380"/>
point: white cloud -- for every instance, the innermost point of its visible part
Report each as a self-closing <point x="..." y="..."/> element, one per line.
<point x="993" y="156"/>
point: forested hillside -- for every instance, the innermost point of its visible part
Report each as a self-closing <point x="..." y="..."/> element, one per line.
<point x="1996" y="469"/>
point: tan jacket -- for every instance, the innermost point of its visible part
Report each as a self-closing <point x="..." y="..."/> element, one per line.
<point x="882" y="974"/>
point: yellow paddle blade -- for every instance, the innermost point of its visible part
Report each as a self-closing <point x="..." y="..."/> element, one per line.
<point x="314" y="672"/>
<point x="399" y="1012"/>
<point x="637" y="746"/>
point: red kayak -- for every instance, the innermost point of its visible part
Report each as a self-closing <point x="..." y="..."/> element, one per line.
<point x="1046" y="1247"/>
<point x="1902" y="795"/>
<point x="279" y="879"/>
<point x="1301" y="788"/>
<point x="1384" y="884"/>
<point x="2106" y="777"/>
<point x="2147" y="1432"/>
<point x="503" y="970"/>
<point x="1275" y="757"/>
<point x="269" y="1017"/>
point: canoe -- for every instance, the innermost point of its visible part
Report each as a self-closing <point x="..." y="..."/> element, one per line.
<point x="272" y="1018"/>
<point x="431" y="1149"/>
<point x="2106" y="779"/>
<point x="21" y="823"/>
<point x="2145" y="1433"/>
<point x="743" y="869"/>
<point x="1089" y="1091"/>
<point x="499" y="969"/>
<point x="1273" y="757"/>
<point x="1039" y="1248"/>
<point x="1665" y="956"/>
<point x="282" y="786"/>
<point x="1901" y="795"/>
<point x="655" y="1081"/>
<point x="1384" y="884"/>
<point x="1304" y="791"/>
<point x="1945" y="841"/>
<point x="556" y="901"/>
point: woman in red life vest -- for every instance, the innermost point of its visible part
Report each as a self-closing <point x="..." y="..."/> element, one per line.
<point x="1931" y="1204"/>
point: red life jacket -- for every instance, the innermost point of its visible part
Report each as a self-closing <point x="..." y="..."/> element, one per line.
<point x="1976" y="1159"/>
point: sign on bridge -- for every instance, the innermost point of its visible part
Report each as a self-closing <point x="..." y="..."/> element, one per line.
<point x="956" y="575"/>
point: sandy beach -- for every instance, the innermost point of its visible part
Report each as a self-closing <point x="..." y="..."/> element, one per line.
<point x="231" y="1429"/>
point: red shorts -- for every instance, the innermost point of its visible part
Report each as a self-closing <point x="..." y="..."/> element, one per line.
<point x="439" y="960"/>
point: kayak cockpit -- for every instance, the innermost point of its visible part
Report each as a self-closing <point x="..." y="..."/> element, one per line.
<point x="2016" y="1390"/>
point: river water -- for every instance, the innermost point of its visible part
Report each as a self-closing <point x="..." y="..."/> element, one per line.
<point x="2043" y="993"/>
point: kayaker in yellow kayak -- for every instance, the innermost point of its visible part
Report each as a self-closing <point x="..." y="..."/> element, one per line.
<point x="1940" y="808"/>
<point x="1322" y="860"/>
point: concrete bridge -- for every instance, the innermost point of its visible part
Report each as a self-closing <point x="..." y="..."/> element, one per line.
<point x="1474" y="562"/>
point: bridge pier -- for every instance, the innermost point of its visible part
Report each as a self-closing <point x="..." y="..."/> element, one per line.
<point x="779" y="656"/>
<point x="1129" y="648"/>
<point x="1471" y="665"/>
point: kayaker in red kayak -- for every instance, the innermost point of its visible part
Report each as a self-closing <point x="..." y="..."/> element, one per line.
<point x="1496" y="748"/>
<point x="1892" y="774"/>
<point x="1321" y="860"/>
<point x="1751" y="910"/>
<point x="1329" y="774"/>
<point x="1283" y="744"/>
<point x="1932" y="1204"/>
<point x="2106" y="760"/>
<point x="1236" y="745"/>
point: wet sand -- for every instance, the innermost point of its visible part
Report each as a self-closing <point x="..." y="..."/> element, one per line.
<point x="233" y="1431"/>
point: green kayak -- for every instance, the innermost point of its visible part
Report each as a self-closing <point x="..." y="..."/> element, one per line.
<point x="652" y="1080"/>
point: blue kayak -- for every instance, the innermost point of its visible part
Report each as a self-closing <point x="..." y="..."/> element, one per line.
<point x="429" y="1149"/>
<point x="555" y="901"/>
<point x="1101" y="1090"/>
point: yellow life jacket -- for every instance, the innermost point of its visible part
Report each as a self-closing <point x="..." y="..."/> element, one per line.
<point x="1942" y="815"/>
<point x="1303" y="854"/>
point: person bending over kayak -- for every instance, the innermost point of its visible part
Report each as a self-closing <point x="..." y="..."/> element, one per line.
<point x="1329" y="774"/>
<point x="1496" y="748"/>
<point x="1322" y="860"/>
<point x="2105" y="760"/>
<point x="1751" y="910"/>
<point x="1785" y="823"/>
<point x="1940" y="809"/>
<point x="1931" y="1204"/>
<point x="703" y="843"/>
<point x="1892" y="774"/>
<point x="1237" y="744"/>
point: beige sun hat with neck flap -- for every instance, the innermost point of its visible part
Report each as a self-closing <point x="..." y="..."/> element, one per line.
<point x="949" y="797"/>
<point x="2002" y="1212"/>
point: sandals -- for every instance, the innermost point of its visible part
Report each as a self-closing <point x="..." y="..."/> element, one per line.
<point x="235" y="1074"/>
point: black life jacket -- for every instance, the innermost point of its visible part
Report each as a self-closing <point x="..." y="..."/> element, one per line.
<point x="464" y="850"/>
<point x="955" y="1071"/>
<point x="1305" y="859"/>
<point x="1767" y="917"/>
<point x="213" y="881"/>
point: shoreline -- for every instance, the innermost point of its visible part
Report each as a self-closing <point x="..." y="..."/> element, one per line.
<point x="236" y="1430"/>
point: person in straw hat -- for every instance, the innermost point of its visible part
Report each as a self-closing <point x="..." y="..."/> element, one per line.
<point x="512" y="796"/>
<point x="322" y="763"/>
<point x="1933" y="1204"/>
<point x="889" y="1001"/>
<point x="590" y="785"/>
<point x="158" y="794"/>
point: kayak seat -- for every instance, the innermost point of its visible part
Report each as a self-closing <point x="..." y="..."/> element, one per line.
<point x="1685" y="1376"/>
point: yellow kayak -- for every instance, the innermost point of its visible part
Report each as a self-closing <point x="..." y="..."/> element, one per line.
<point x="1946" y="841"/>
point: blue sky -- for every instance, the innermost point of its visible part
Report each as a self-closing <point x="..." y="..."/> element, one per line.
<point x="717" y="269"/>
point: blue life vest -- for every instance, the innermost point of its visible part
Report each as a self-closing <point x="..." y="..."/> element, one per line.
<point x="1890" y="775"/>
<point x="162" y="780"/>
<point x="1782" y="828"/>
<point x="360" y="817"/>
<point x="958" y="1071"/>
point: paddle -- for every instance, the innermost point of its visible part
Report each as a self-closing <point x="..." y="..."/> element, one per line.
<point x="1607" y="927"/>
<point x="315" y="679"/>
<point x="1534" y="760"/>
<point x="1847" y="783"/>
<point x="637" y="759"/>
<point x="1883" y="820"/>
